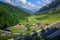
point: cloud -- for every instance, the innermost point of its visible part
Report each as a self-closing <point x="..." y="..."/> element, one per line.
<point x="43" y="1"/>
<point x="39" y="2"/>
<point x="8" y="1"/>
<point x="23" y="1"/>
<point x="30" y="4"/>
<point x="47" y="1"/>
<point x="26" y="4"/>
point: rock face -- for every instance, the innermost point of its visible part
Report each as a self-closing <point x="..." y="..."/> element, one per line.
<point x="50" y="5"/>
<point x="49" y="30"/>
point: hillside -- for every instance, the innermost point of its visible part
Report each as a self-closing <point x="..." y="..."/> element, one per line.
<point x="48" y="16"/>
<point x="53" y="4"/>
<point x="11" y="15"/>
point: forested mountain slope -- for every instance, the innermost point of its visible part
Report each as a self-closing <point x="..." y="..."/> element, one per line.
<point x="11" y="15"/>
<point x="48" y="6"/>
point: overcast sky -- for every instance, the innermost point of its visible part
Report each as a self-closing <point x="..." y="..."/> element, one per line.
<point x="32" y="5"/>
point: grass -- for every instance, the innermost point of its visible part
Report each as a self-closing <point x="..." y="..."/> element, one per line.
<point x="22" y="30"/>
<point x="44" y="18"/>
<point x="51" y="19"/>
<point x="17" y="30"/>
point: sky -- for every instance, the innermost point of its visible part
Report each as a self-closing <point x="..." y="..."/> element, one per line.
<point x="32" y="5"/>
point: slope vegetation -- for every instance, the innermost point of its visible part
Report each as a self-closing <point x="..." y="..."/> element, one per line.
<point x="11" y="15"/>
<point x="48" y="16"/>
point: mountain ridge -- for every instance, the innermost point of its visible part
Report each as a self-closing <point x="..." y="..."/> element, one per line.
<point x="53" y="4"/>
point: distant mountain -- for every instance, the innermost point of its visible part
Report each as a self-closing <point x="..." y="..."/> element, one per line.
<point x="26" y="10"/>
<point x="53" y="4"/>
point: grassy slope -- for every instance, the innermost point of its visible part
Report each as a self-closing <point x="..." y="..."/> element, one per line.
<point x="48" y="16"/>
<point x="10" y="14"/>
